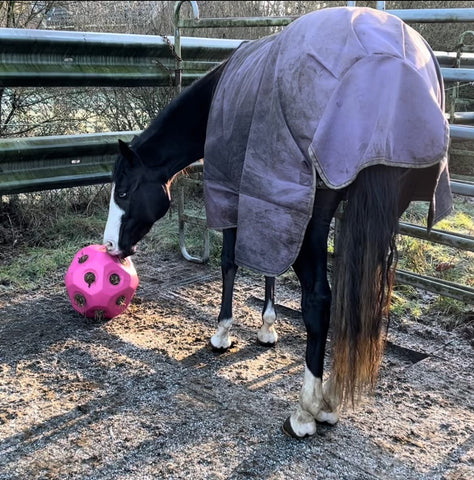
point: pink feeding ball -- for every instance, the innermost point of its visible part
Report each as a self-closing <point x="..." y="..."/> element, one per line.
<point x="99" y="285"/>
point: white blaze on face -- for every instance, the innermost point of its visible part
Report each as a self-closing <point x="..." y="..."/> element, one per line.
<point x="112" y="228"/>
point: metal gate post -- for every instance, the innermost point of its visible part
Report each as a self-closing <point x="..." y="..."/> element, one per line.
<point x="185" y="218"/>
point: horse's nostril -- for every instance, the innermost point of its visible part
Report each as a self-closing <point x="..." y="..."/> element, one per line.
<point x="110" y="246"/>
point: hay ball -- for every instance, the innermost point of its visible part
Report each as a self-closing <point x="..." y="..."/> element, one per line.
<point x="99" y="285"/>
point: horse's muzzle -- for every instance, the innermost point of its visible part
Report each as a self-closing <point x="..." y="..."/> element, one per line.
<point x="115" y="251"/>
<point x="128" y="253"/>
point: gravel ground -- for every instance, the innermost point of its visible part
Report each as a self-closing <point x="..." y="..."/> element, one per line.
<point x="143" y="396"/>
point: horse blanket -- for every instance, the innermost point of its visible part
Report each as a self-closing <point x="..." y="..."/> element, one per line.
<point x="336" y="91"/>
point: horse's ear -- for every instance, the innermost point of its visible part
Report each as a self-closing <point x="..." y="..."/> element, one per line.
<point x="125" y="151"/>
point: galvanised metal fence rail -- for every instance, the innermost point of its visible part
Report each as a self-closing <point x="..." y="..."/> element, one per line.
<point x="44" y="163"/>
<point x="47" y="58"/>
<point x="37" y="58"/>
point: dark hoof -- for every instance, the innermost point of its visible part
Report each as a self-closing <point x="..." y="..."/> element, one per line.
<point x="222" y="350"/>
<point x="289" y="432"/>
<point x="266" y="344"/>
<point x="325" y="424"/>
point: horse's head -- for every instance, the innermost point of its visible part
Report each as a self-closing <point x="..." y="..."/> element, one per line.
<point x="139" y="198"/>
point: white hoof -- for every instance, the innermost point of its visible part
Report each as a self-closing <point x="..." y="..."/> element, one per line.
<point x="221" y="339"/>
<point x="300" y="424"/>
<point x="327" y="417"/>
<point x="267" y="335"/>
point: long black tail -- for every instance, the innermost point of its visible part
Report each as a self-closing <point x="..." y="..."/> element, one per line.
<point x="363" y="279"/>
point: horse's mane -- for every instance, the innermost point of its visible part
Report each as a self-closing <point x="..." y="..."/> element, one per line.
<point x="186" y="112"/>
<point x="198" y="91"/>
<point x="185" y="172"/>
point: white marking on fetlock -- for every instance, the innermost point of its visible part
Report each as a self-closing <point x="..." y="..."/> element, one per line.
<point x="313" y="400"/>
<point x="302" y="423"/>
<point x="332" y="402"/>
<point x="221" y="339"/>
<point x="267" y="332"/>
<point x="327" y="417"/>
<point x="311" y="395"/>
<point x="316" y="402"/>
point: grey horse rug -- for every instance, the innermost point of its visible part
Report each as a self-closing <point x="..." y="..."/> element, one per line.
<point x="336" y="91"/>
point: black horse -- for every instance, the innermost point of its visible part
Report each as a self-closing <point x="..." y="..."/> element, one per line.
<point x="277" y="124"/>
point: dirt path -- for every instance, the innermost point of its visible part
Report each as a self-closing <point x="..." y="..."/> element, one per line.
<point x="143" y="397"/>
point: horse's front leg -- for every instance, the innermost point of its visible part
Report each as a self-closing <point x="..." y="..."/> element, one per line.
<point x="221" y="341"/>
<point x="315" y="403"/>
<point x="267" y="335"/>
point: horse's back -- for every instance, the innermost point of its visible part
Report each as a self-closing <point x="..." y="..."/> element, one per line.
<point x="336" y="91"/>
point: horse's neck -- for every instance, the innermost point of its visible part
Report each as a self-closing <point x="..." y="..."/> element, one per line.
<point x="176" y="138"/>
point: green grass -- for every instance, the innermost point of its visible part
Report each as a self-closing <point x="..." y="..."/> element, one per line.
<point x="37" y="263"/>
<point x="406" y="303"/>
<point x="41" y="233"/>
<point x="438" y="260"/>
<point x="35" y="267"/>
<point x="435" y="260"/>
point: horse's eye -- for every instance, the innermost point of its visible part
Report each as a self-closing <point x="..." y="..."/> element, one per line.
<point x="122" y="195"/>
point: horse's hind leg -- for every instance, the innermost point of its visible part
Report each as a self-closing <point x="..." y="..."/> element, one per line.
<point x="221" y="341"/>
<point x="311" y="269"/>
<point x="267" y="335"/>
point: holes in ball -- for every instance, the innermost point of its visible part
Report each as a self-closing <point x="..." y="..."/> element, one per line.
<point x="83" y="258"/>
<point x="114" y="279"/>
<point x="79" y="299"/>
<point x="89" y="278"/>
<point x="120" y="301"/>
